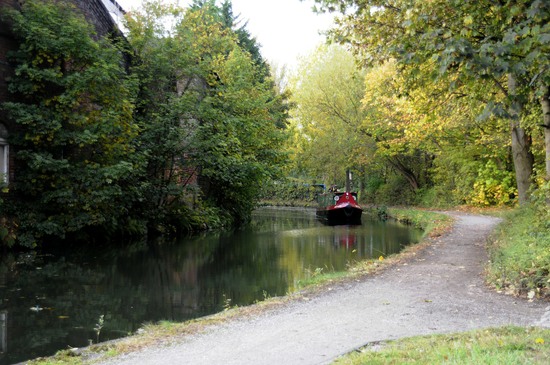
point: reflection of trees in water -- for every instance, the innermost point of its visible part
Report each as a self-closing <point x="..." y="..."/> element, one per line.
<point x="129" y="286"/>
<point x="242" y="270"/>
<point x="54" y="299"/>
<point x="168" y="280"/>
<point x="167" y="276"/>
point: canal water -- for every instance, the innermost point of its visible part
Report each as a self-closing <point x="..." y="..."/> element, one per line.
<point x="52" y="300"/>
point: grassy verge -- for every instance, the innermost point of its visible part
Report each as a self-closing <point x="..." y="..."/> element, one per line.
<point x="520" y="254"/>
<point x="433" y="224"/>
<point x="506" y="345"/>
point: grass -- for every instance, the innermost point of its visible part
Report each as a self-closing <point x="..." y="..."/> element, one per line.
<point x="520" y="254"/>
<point x="433" y="224"/>
<point x="506" y="345"/>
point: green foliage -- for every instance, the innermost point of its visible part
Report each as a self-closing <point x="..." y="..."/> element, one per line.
<point x="207" y="110"/>
<point x="541" y="206"/>
<point x="493" y="187"/>
<point x="7" y="232"/>
<point x="74" y="110"/>
<point x="237" y="137"/>
<point x="163" y="114"/>
<point x="110" y="152"/>
<point x="405" y="143"/>
<point x="453" y="57"/>
<point x="394" y="191"/>
<point x="327" y="92"/>
<point x="520" y="254"/>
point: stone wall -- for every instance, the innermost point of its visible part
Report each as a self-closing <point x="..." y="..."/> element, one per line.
<point x="97" y="14"/>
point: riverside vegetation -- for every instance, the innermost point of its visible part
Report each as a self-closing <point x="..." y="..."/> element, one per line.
<point x="196" y="128"/>
<point x="182" y="125"/>
<point x="174" y="127"/>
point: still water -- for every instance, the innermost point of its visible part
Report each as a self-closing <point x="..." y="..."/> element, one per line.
<point x="52" y="300"/>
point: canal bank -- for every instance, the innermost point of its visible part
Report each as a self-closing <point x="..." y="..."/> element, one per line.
<point x="58" y="299"/>
<point x="437" y="289"/>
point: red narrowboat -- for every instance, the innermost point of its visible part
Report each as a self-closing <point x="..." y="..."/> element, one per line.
<point x="339" y="208"/>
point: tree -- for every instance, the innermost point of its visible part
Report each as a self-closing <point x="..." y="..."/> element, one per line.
<point x="327" y="92"/>
<point x="397" y="127"/>
<point x="240" y="120"/>
<point x="349" y="117"/>
<point x="168" y="72"/>
<point x="207" y="109"/>
<point x="73" y="106"/>
<point x="503" y="44"/>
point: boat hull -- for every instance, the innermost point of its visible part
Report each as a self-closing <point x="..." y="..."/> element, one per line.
<point x="348" y="215"/>
<point x="344" y="209"/>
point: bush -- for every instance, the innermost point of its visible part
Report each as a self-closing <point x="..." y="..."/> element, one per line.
<point x="493" y="186"/>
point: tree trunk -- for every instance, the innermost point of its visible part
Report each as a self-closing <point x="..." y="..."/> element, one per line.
<point x="407" y="173"/>
<point x="545" y="103"/>
<point x="521" y="146"/>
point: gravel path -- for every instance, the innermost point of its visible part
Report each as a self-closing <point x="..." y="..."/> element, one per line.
<point x="440" y="290"/>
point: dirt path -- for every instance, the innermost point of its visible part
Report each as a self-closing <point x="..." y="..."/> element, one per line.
<point x="440" y="290"/>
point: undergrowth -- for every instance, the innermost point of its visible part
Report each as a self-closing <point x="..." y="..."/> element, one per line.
<point x="520" y="254"/>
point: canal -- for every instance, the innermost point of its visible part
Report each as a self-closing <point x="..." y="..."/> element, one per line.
<point x="50" y="300"/>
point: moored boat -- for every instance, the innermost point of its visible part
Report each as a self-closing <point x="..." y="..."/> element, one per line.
<point x="339" y="208"/>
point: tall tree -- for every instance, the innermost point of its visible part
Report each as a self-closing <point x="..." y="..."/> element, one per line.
<point x="210" y="104"/>
<point x="239" y="119"/>
<point x="169" y="71"/>
<point x="327" y="91"/>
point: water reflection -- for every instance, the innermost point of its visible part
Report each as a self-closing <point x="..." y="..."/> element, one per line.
<point x="51" y="300"/>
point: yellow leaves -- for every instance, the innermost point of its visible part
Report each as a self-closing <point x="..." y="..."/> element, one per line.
<point x="42" y="58"/>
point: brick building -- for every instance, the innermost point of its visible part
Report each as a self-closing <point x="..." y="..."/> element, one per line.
<point x="101" y="13"/>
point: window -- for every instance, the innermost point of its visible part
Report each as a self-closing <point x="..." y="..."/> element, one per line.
<point x="4" y="154"/>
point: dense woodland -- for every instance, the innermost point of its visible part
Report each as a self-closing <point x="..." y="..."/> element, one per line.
<point x="183" y="125"/>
